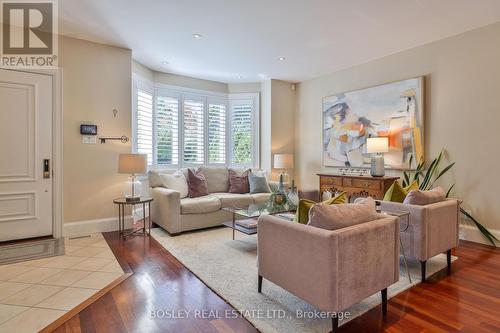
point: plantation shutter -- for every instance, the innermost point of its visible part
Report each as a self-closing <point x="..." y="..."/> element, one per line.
<point x="144" y="119"/>
<point x="216" y="133"/>
<point x="241" y="132"/>
<point x="167" y="130"/>
<point x="194" y="141"/>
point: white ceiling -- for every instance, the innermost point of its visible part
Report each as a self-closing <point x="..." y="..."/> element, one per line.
<point x="243" y="39"/>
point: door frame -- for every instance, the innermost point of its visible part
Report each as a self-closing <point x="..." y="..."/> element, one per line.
<point x="57" y="146"/>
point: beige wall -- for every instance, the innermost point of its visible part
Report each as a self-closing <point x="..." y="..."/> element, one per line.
<point x="142" y="71"/>
<point x="462" y="112"/>
<point x="189" y="82"/>
<point x="282" y="120"/>
<point x="96" y="80"/>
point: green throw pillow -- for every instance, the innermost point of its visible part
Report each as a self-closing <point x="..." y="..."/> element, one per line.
<point x="305" y="205"/>
<point x="397" y="193"/>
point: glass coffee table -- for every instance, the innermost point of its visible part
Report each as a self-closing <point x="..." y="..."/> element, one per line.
<point x="247" y="223"/>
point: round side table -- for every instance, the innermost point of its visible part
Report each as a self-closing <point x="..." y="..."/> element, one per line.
<point x="122" y="202"/>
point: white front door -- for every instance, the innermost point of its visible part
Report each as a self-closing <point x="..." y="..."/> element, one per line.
<point x="25" y="146"/>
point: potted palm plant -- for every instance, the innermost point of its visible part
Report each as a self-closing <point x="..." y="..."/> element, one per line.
<point x="427" y="178"/>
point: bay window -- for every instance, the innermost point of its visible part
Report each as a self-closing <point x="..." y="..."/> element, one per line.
<point x="179" y="127"/>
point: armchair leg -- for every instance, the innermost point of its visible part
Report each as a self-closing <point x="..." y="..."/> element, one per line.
<point x="335" y="323"/>
<point x="422" y="269"/>
<point x="259" y="288"/>
<point x="448" y="259"/>
<point x="384" y="301"/>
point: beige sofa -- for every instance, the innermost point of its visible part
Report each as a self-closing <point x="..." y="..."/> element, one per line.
<point x="433" y="229"/>
<point x="331" y="270"/>
<point x="176" y="214"/>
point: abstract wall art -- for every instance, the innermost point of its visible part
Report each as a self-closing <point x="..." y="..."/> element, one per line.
<point x="393" y="110"/>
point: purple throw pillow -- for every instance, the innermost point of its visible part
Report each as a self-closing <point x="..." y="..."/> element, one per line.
<point x="197" y="184"/>
<point x="238" y="182"/>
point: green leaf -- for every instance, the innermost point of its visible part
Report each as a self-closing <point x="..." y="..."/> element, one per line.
<point x="430" y="172"/>
<point x="443" y="172"/>
<point x="486" y="234"/>
<point x="449" y="190"/>
<point x="406" y="179"/>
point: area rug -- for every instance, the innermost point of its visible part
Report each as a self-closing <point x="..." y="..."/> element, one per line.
<point x="229" y="267"/>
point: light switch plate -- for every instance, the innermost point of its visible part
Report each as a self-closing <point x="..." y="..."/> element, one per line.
<point x="89" y="139"/>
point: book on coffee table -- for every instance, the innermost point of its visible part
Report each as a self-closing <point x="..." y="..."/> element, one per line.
<point x="287" y="216"/>
<point x="249" y="223"/>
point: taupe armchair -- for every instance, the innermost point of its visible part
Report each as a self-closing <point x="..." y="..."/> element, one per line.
<point x="433" y="229"/>
<point x="331" y="270"/>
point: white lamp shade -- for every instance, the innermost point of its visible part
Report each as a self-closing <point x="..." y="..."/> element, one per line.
<point x="377" y="145"/>
<point x="132" y="163"/>
<point x="283" y="161"/>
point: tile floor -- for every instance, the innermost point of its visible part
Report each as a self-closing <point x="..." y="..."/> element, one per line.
<point x="35" y="293"/>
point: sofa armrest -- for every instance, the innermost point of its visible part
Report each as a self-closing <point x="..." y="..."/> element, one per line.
<point x="299" y="258"/>
<point x="166" y="209"/>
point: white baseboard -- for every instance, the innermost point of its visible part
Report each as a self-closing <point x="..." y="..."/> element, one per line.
<point x="471" y="233"/>
<point x="87" y="227"/>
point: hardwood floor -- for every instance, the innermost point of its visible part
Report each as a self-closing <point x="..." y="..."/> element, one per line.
<point x="466" y="300"/>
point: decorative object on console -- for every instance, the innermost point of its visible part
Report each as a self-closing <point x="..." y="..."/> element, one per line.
<point x="284" y="162"/>
<point x="133" y="164"/>
<point x="355" y="186"/>
<point x="394" y="110"/>
<point x="293" y="195"/>
<point x="377" y="146"/>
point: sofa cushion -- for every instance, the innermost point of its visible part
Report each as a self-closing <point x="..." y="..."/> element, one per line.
<point x="333" y="217"/>
<point x="197" y="184"/>
<point x="397" y="193"/>
<point x="155" y="180"/>
<point x="217" y="178"/>
<point x="176" y="181"/>
<point x="234" y="199"/>
<point x="238" y="181"/>
<point x="260" y="198"/>
<point x="200" y="205"/>
<point x="258" y="182"/>
<point x="422" y="198"/>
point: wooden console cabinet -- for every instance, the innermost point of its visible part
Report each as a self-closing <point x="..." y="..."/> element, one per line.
<point x="355" y="186"/>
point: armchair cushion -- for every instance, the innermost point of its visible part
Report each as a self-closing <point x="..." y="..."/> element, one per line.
<point x="422" y="198"/>
<point x="305" y="205"/>
<point x="333" y="217"/>
<point x="397" y="193"/>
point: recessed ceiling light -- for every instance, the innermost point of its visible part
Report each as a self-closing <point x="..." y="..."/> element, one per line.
<point x="281" y="58"/>
<point x="196" y="36"/>
<point x="240" y="76"/>
<point x="164" y="62"/>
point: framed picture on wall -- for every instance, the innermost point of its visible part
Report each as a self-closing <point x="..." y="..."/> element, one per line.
<point x="393" y="110"/>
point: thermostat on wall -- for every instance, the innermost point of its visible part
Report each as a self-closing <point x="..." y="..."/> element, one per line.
<point x="88" y="129"/>
<point x="89" y="133"/>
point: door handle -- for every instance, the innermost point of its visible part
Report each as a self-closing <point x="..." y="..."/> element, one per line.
<point x="46" y="168"/>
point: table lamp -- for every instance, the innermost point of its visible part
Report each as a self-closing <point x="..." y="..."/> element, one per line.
<point x="283" y="162"/>
<point x="377" y="147"/>
<point x="133" y="164"/>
